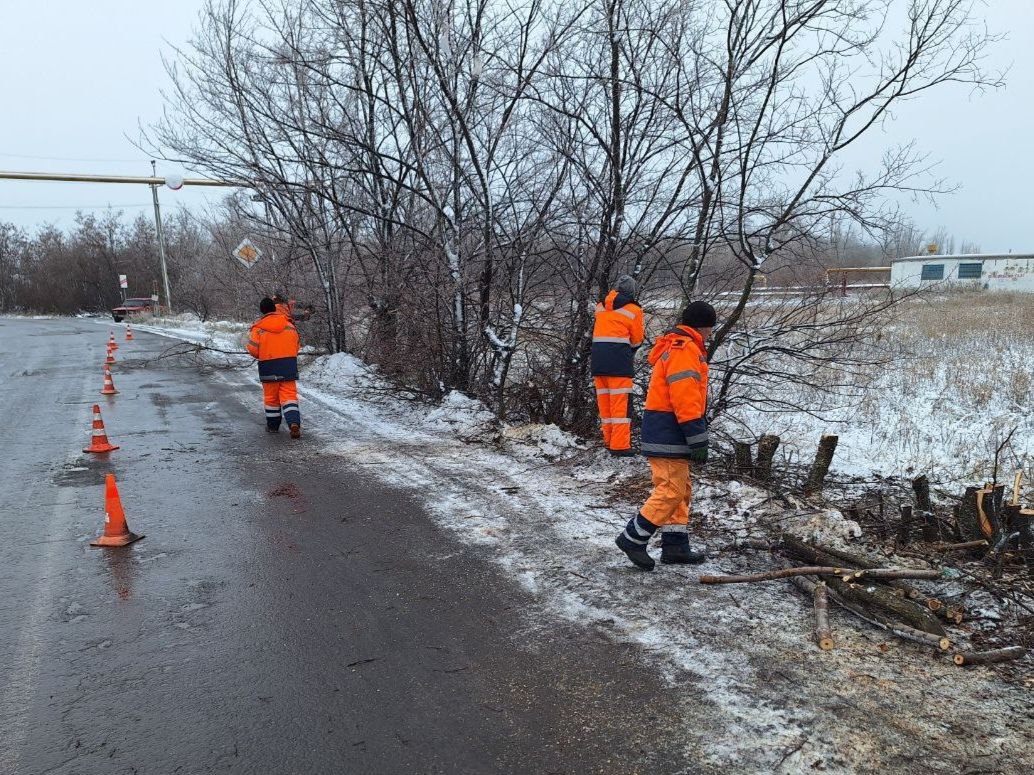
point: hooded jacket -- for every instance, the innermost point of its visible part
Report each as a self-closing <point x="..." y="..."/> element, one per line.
<point x="674" y="416"/>
<point x="617" y="332"/>
<point x="274" y="342"/>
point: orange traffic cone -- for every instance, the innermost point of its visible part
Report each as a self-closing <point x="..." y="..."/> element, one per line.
<point x="109" y="386"/>
<point x="99" y="442"/>
<point x="110" y="357"/>
<point x="112" y="344"/>
<point x="129" y="333"/>
<point x="116" y="531"/>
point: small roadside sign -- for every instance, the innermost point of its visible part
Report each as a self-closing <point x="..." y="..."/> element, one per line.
<point x="247" y="253"/>
<point x="123" y="281"/>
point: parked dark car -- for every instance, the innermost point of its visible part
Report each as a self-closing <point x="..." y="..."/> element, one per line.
<point x="132" y="307"/>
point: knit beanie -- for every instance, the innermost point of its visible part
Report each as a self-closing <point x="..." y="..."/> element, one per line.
<point x="627" y="286"/>
<point x="699" y="314"/>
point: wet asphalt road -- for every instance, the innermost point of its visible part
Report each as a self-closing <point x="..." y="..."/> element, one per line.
<point x="284" y="614"/>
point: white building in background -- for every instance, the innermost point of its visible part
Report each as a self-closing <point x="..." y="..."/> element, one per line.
<point x="994" y="272"/>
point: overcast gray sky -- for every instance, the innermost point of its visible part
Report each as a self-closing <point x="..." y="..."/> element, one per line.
<point x="77" y="77"/>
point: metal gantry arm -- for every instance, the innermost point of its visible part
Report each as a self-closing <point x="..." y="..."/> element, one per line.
<point x="154" y="181"/>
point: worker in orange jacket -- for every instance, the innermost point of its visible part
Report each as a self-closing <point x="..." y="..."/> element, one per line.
<point x="274" y="342"/>
<point x="674" y="433"/>
<point x="616" y="334"/>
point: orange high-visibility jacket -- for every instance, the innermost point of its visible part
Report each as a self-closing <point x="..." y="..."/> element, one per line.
<point x="617" y="332"/>
<point x="286" y="308"/>
<point x="674" y="416"/>
<point x="274" y="342"/>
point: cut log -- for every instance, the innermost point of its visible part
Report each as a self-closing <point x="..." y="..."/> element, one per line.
<point x="823" y="635"/>
<point x="767" y="446"/>
<point x="1016" y="482"/>
<point x="892" y="574"/>
<point x="773" y="575"/>
<point x="883" y="604"/>
<point x="828" y="555"/>
<point x="904" y="536"/>
<point x="989" y="657"/>
<point x="896" y="628"/>
<point x="823" y="460"/>
<point x="743" y="466"/>
<point x="921" y="487"/>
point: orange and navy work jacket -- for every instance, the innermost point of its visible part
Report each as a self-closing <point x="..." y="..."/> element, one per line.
<point x="674" y="416"/>
<point x="617" y="332"/>
<point x="274" y="342"/>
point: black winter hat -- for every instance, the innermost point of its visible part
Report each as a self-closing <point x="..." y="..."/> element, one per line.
<point x="267" y="305"/>
<point x="699" y="314"/>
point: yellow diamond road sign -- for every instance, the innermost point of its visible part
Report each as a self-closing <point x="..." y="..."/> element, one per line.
<point x="247" y="253"/>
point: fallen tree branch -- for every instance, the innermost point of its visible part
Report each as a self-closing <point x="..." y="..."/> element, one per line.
<point x="960" y="547"/>
<point x="846" y="574"/>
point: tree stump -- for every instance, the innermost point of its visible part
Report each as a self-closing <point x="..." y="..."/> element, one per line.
<point x="743" y="465"/>
<point x="969" y="516"/>
<point x="767" y="446"/>
<point x="1023" y="523"/>
<point x="823" y="460"/>
<point x="921" y="487"/>
<point x="904" y="536"/>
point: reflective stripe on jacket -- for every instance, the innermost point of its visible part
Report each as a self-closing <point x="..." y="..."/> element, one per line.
<point x="274" y="342"/>
<point x="617" y="332"/>
<point x="674" y="416"/>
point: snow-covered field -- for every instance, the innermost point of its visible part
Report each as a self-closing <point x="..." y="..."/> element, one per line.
<point x="759" y="697"/>
<point x="961" y="378"/>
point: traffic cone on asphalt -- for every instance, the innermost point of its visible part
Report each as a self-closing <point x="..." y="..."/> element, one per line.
<point x="112" y="344"/>
<point x="129" y="333"/>
<point x="109" y="386"/>
<point x="116" y="531"/>
<point x="110" y="357"/>
<point x="99" y="442"/>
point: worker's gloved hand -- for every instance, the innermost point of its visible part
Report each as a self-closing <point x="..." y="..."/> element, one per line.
<point x="698" y="455"/>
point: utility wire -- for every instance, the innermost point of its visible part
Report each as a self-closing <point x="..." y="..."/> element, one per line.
<point x="70" y="158"/>
<point x="69" y="207"/>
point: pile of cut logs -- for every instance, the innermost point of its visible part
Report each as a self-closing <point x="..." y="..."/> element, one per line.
<point x="982" y="521"/>
<point x="880" y="596"/>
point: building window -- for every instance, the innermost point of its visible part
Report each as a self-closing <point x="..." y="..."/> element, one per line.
<point x="971" y="271"/>
<point x="932" y="272"/>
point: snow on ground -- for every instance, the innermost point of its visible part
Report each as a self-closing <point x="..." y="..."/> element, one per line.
<point x="961" y="378"/>
<point x="759" y="697"/>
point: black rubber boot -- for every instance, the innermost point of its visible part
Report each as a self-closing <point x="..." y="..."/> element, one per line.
<point x="622" y="452"/>
<point x="675" y="550"/>
<point x="296" y="431"/>
<point x="635" y="552"/>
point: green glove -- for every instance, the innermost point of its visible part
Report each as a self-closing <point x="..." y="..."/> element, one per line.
<point x="698" y="455"/>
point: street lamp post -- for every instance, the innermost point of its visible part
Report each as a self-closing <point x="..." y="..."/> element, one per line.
<point x="161" y="238"/>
